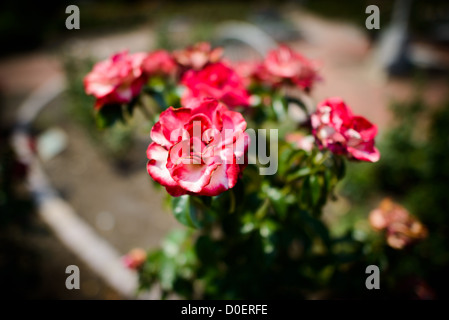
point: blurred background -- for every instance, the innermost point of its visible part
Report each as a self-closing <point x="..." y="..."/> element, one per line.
<point x="395" y="76"/>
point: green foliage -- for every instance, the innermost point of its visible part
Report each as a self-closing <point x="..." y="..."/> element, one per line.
<point x="267" y="238"/>
<point x="262" y="239"/>
<point x="414" y="169"/>
<point x="15" y="204"/>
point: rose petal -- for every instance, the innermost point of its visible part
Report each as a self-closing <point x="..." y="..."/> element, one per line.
<point x="365" y="152"/>
<point x="223" y="178"/>
<point x="192" y="177"/>
<point x="156" y="165"/>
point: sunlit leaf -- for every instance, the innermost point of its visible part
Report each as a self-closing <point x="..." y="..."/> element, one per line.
<point x="185" y="212"/>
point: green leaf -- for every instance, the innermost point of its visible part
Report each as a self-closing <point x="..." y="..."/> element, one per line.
<point x="340" y="167"/>
<point x="299" y="103"/>
<point x="149" y="272"/>
<point x="315" y="227"/>
<point x="172" y="243"/>
<point x="263" y="209"/>
<point x="206" y="250"/>
<point x="167" y="273"/>
<point x="158" y="95"/>
<point x="185" y="212"/>
<point x="301" y="173"/>
<point x="279" y="108"/>
<point x="315" y="189"/>
<point x="277" y="199"/>
<point x="108" y="115"/>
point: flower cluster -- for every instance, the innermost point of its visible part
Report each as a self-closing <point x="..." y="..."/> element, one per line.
<point x="247" y="157"/>
<point x="401" y="228"/>
<point x="198" y="143"/>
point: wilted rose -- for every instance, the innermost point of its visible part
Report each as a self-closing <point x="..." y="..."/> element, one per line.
<point x="198" y="56"/>
<point x="401" y="228"/>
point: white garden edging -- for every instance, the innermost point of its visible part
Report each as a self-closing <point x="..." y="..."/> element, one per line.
<point x="67" y="225"/>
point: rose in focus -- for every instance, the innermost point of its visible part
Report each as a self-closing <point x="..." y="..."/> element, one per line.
<point x="199" y="149"/>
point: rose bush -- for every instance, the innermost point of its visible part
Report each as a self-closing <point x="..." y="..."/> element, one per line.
<point x="248" y="235"/>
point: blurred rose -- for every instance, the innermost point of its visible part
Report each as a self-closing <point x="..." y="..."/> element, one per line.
<point x="301" y="141"/>
<point x="199" y="149"/>
<point x="159" y="62"/>
<point x="116" y="80"/>
<point x="135" y="258"/>
<point x="198" y="56"/>
<point x="414" y="287"/>
<point x="249" y="71"/>
<point x="216" y="81"/>
<point x="401" y="228"/>
<point x="337" y="129"/>
<point x="287" y="66"/>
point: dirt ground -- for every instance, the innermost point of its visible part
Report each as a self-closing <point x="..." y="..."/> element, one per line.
<point x="120" y="202"/>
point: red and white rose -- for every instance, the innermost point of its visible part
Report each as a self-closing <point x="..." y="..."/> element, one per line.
<point x="199" y="149"/>
<point x="337" y="129"/>
<point x="116" y="80"/>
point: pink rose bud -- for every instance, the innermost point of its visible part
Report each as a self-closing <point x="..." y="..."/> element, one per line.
<point x="135" y="258"/>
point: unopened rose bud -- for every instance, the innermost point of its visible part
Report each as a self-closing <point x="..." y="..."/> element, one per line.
<point x="135" y="258"/>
